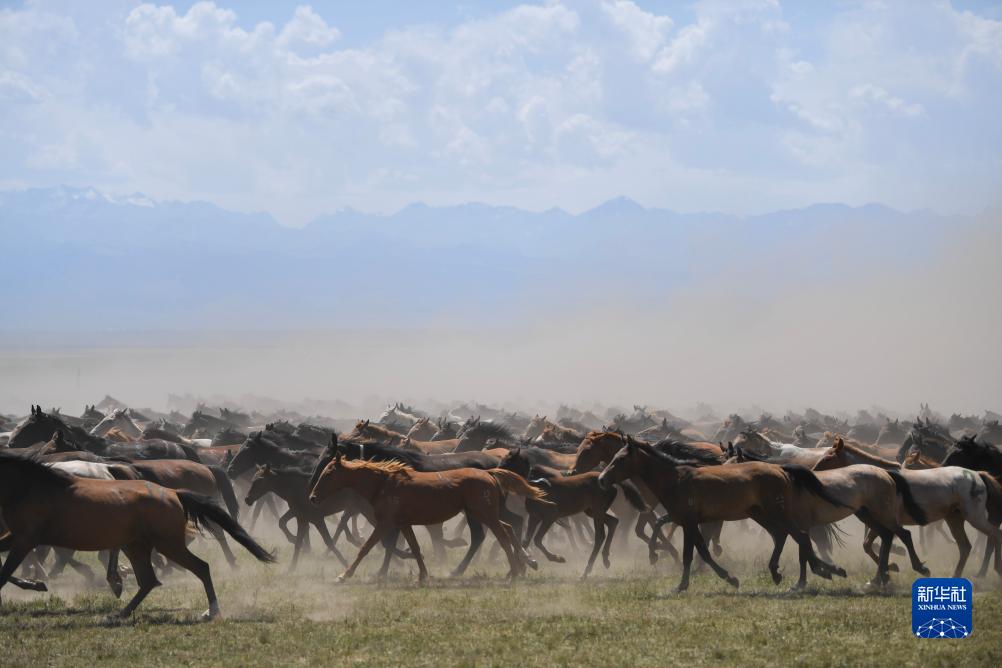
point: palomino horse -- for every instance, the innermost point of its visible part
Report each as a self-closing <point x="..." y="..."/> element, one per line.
<point x="42" y="506"/>
<point x="403" y="497"/>
<point x="567" y="496"/>
<point x="764" y="493"/>
<point x="948" y="493"/>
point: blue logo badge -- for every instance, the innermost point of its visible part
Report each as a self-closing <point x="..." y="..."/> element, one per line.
<point x="942" y="608"/>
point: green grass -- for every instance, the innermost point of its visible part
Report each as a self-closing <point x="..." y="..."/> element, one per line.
<point x="625" y="617"/>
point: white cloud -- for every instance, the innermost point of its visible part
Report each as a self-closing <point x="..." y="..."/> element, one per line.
<point x="736" y="106"/>
<point x="646" y="31"/>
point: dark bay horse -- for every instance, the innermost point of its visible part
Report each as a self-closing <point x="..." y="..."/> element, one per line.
<point x="42" y="506"/>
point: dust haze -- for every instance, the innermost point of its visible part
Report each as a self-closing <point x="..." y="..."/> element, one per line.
<point x="804" y="327"/>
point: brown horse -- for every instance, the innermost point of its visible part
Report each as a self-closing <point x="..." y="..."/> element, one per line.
<point x="567" y="496"/>
<point x="42" y="506"/>
<point x="599" y="447"/>
<point x="423" y="430"/>
<point x="692" y="495"/>
<point x="403" y="497"/>
<point x="366" y="430"/>
<point x="555" y="433"/>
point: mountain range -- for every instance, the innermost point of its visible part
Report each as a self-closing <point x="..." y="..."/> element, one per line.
<point x="76" y="259"/>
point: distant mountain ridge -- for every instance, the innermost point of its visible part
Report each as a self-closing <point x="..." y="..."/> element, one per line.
<point x="78" y="258"/>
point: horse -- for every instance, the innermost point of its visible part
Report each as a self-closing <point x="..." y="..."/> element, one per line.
<point x="204" y="425"/>
<point x="403" y="497"/>
<point x="400" y="414"/>
<point x="971" y="453"/>
<point x="445" y="430"/>
<point x="558" y="434"/>
<point x="479" y="435"/>
<point x="291" y="485"/>
<point x="117" y="420"/>
<point x="892" y="433"/>
<point x="777" y="453"/>
<point x="40" y="426"/>
<point x="43" y="506"/>
<point x="930" y="439"/>
<point x="950" y="493"/>
<point x="423" y="430"/>
<point x="570" y="495"/>
<point x="694" y="495"/>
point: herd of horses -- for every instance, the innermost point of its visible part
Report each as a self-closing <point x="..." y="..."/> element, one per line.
<point x="142" y="483"/>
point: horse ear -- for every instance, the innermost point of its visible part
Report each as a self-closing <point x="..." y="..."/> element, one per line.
<point x="337" y="457"/>
<point x="58" y="436"/>
<point x="334" y="440"/>
<point x="839" y="444"/>
<point x="366" y="423"/>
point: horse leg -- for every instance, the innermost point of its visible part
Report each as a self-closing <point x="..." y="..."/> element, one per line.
<point x="476" y="539"/>
<point x="411" y="539"/>
<point x="956" y="525"/>
<point x="906" y="538"/>
<point x="611" y="523"/>
<point x="643" y="520"/>
<point x="112" y="576"/>
<point x="512" y="519"/>
<point x="778" y="543"/>
<point x="821" y="540"/>
<point x="220" y="537"/>
<point x="437" y="540"/>
<point x="139" y="556"/>
<point x="688" y="542"/>
<point x="537" y="540"/>
<point x="504" y="535"/>
<point x="990" y="547"/>
<point x="18" y="551"/>
<point x="302" y="528"/>
<point x="704" y="552"/>
<point x="531" y="526"/>
<point x="378" y="532"/>
<point x="713" y="530"/>
<point x="283" y="525"/>
<point x="186" y="559"/>
<point x="597" y="518"/>
<point x="321" y="525"/>
<point x="656" y="534"/>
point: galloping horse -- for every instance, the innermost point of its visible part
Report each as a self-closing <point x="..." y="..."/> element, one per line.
<point x="42" y="506"/>
<point x="764" y="493"/>
<point x="403" y="497"/>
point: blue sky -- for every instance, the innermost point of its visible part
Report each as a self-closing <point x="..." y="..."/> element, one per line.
<point x="299" y="110"/>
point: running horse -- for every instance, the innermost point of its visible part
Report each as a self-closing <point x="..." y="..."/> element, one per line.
<point x="403" y="497"/>
<point x="44" y="506"/>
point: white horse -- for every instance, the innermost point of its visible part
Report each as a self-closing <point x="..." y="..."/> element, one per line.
<point x="949" y="493"/>
<point x="396" y="413"/>
<point x="117" y="420"/>
<point x="778" y="453"/>
<point x="93" y="470"/>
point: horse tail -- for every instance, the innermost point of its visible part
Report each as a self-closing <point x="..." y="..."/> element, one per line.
<point x="200" y="509"/>
<point x="633" y="495"/>
<point x="994" y="501"/>
<point x="225" y="488"/>
<point x="907" y="498"/>
<point x="513" y="482"/>
<point x="802" y="477"/>
<point x="835" y="534"/>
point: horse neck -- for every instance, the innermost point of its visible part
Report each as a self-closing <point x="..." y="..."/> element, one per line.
<point x="367" y="482"/>
<point x="655" y="473"/>
<point x="856" y="456"/>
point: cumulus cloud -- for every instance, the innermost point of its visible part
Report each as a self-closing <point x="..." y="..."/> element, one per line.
<point x="735" y="106"/>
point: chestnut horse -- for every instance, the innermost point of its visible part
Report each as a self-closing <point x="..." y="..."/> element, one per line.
<point x="43" y="506"/>
<point x="403" y="497"/>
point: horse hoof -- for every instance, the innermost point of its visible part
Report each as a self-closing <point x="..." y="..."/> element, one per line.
<point x="342" y="578"/>
<point x="679" y="589"/>
<point x="116" y="588"/>
<point x="211" y="614"/>
<point x="606" y="563"/>
<point x="839" y="572"/>
<point x="717" y="550"/>
<point x="558" y="559"/>
<point x="894" y="568"/>
<point x="797" y="588"/>
<point x="532" y="563"/>
<point x="777" y="577"/>
<point x="733" y="581"/>
<point x="924" y="571"/>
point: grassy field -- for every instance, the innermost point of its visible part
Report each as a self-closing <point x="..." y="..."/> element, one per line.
<point x="622" y="617"/>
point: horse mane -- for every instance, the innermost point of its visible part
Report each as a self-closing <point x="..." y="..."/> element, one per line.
<point x="33" y="469"/>
<point x="390" y="467"/>
<point x="293" y="470"/>
<point x="665" y="457"/>
<point x="491" y="430"/>
<point x="978" y="449"/>
<point x="688" y="452"/>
